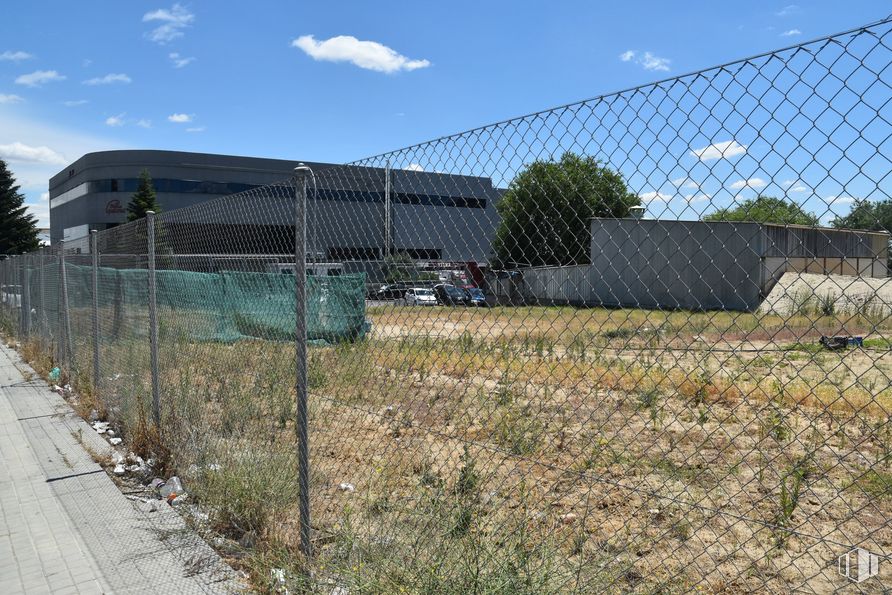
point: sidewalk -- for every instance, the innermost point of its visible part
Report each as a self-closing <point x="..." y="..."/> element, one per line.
<point x="64" y="525"/>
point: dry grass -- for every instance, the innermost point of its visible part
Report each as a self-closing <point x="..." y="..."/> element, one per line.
<point x="534" y="449"/>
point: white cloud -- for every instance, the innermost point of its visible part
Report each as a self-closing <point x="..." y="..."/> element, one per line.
<point x="25" y="153"/>
<point x="799" y="188"/>
<point x="180" y="118"/>
<point x="791" y="33"/>
<point x="172" y="20"/>
<point x="370" y="55"/>
<point x="751" y="183"/>
<point x="17" y="56"/>
<point x="838" y="200"/>
<point x="108" y="79"/>
<point x="651" y="62"/>
<point x="39" y="77"/>
<point x="195" y="129"/>
<point x="722" y="150"/>
<point x="144" y="123"/>
<point x="646" y="60"/>
<point x="788" y="10"/>
<point x="115" y="120"/>
<point x="179" y="61"/>
<point x="652" y="196"/>
<point x="788" y="183"/>
<point x="685" y="183"/>
<point x="4" y="98"/>
<point x="74" y="103"/>
<point x="692" y="198"/>
<point x="414" y="167"/>
<point x="40" y="209"/>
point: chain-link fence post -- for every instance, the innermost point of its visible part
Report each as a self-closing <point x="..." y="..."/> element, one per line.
<point x="41" y="297"/>
<point x="26" y="297"/>
<point x="64" y="320"/>
<point x="153" y="319"/>
<point x="302" y="172"/>
<point x="94" y="255"/>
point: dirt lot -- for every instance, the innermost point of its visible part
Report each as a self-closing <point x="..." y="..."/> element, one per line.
<point x="631" y="450"/>
<point x="528" y="450"/>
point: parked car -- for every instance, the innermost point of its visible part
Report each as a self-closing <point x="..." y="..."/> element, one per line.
<point x="420" y="296"/>
<point x="476" y="297"/>
<point x="450" y="295"/>
<point x="395" y="291"/>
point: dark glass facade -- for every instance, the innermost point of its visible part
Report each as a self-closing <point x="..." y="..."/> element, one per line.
<point x="164" y="185"/>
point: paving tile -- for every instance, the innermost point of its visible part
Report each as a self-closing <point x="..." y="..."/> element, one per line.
<point x="64" y="525"/>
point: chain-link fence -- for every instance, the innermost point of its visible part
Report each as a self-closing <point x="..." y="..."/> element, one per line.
<point x="637" y="343"/>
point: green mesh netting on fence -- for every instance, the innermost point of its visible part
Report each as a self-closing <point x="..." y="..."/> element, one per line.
<point x="225" y="306"/>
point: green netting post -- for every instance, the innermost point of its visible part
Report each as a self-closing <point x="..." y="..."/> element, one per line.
<point x="153" y="320"/>
<point x="301" y="173"/>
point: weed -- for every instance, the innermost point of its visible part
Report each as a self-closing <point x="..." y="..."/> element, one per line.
<point x="649" y="399"/>
<point x="788" y="500"/>
<point x="518" y="429"/>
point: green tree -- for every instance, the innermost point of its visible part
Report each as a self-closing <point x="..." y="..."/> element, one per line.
<point x="144" y="199"/>
<point x="18" y="228"/>
<point x="765" y="209"/>
<point x="547" y="210"/>
<point x="869" y="216"/>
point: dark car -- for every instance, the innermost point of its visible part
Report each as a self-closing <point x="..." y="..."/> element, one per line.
<point x="450" y="295"/>
<point x="395" y="291"/>
<point x="476" y="297"/>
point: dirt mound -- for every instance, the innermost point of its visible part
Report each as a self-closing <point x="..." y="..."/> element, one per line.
<point x="807" y="293"/>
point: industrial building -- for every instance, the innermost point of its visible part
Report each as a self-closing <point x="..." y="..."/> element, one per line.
<point x="698" y="265"/>
<point x="355" y="213"/>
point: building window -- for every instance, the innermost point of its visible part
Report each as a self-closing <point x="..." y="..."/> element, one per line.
<point x="352" y="253"/>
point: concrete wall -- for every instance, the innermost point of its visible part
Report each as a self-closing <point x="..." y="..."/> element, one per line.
<point x="676" y="264"/>
<point x="695" y="264"/>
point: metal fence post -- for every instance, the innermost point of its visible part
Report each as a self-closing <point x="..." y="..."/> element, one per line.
<point x="64" y="319"/>
<point x="300" y="343"/>
<point x="153" y="319"/>
<point x="94" y="253"/>
<point x="26" y="298"/>
<point x="42" y="323"/>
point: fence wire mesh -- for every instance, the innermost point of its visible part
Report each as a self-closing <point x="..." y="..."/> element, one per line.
<point x="639" y="343"/>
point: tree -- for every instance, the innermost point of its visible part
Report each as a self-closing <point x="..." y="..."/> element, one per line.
<point x="547" y="210"/>
<point x="765" y="209"/>
<point x="869" y="216"/>
<point x="144" y="199"/>
<point x="18" y="228"/>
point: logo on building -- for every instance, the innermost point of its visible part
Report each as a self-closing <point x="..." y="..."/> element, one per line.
<point x="859" y="564"/>
<point x="114" y="207"/>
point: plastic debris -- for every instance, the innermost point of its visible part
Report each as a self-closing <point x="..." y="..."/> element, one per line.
<point x="179" y="500"/>
<point x="94" y="415"/>
<point x="214" y="467"/>
<point x="569" y="518"/>
<point x="347" y="487"/>
<point x="115" y="441"/>
<point x="117" y="458"/>
<point x="55" y="374"/>
<point x="278" y="575"/>
<point x="171" y="488"/>
<point x="120" y="469"/>
<point x="101" y="427"/>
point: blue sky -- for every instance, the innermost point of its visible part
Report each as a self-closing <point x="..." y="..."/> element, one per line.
<point x="342" y="81"/>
